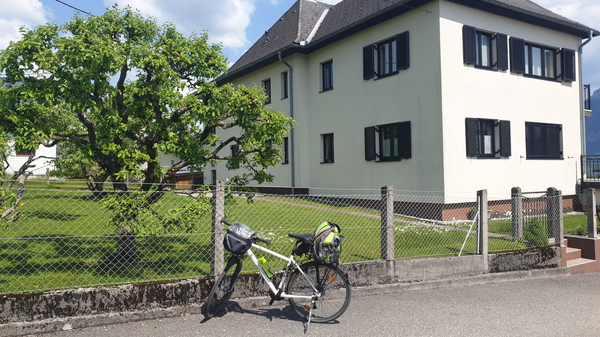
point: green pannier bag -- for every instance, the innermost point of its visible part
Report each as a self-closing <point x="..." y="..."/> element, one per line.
<point x="327" y="243"/>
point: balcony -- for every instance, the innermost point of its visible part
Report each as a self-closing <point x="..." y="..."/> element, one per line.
<point x="590" y="171"/>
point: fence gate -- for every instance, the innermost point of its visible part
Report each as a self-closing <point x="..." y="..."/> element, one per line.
<point x="537" y="216"/>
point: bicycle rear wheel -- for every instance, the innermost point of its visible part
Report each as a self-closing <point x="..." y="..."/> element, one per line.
<point x="331" y="283"/>
<point x="223" y="288"/>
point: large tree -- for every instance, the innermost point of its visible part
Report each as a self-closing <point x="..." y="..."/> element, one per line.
<point x="124" y="90"/>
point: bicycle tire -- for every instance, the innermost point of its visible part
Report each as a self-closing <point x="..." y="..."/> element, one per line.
<point x="332" y="284"/>
<point x="222" y="289"/>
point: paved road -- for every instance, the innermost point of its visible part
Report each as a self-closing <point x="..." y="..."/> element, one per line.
<point x="556" y="306"/>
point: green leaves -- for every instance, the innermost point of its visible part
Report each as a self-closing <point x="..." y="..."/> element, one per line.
<point x="125" y="91"/>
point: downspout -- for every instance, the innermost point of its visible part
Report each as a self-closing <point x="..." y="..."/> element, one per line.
<point x="582" y="107"/>
<point x="292" y="156"/>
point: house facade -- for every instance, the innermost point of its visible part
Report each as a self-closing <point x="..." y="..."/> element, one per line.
<point x="440" y="96"/>
<point x="38" y="167"/>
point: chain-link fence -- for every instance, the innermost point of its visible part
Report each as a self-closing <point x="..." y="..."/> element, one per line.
<point x="529" y="219"/>
<point x="64" y="237"/>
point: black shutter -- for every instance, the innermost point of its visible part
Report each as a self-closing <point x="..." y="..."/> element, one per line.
<point x="471" y="127"/>
<point x="402" y="50"/>
<point x="554" y="141"/>
<point x="469" y="45"/>
<point x="505" y="139"/>
<point x="517" y="55"/>
<point x="370" y="143"/>
<point x="368" y="62"/>
<point x="404" y="140"/>
<point x="501" y="51"/>
<point x="567" y="57"/>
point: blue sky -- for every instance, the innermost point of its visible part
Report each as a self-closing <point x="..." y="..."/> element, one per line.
<point x="238" y="23"/>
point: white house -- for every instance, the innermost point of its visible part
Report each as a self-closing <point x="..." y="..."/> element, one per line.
<point x="37" y="167"/>
<point x="440" y="96"/>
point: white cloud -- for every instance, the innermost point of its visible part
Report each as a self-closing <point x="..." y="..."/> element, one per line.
<point x="586" y="12"/>
<point x="15" y="14"/>
<point x="226" y="20"/>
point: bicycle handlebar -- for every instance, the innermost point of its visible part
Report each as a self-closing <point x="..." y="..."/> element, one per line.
<point x="267" y="241"/>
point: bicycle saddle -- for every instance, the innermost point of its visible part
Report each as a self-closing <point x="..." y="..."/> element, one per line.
<point x="304" y="238"/>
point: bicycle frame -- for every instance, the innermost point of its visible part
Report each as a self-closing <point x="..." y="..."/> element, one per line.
<point x="290" y="261"/>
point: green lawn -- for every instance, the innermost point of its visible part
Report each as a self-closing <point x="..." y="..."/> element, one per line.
<point x="63" y="239"/>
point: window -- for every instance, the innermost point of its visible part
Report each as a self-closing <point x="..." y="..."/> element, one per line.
<point x="235" y="149"/>
<point x="389" y="142"/>
<point x="266" y="84"/>
<point x="213" y="174"/>
<point x="587" y="102"/>
<point x="327" y="140"/>
<point x="386" y="58"/>
<point x="23" y="153"/>
<point x="284" y="85"/>
<point x="327" y="76"/>
<point x="487" y="138"/>
<point x="286" y="156"/>
<point x="485" y="50"/>
<point x="538" y="61"/>
<point x="543" y="141"/>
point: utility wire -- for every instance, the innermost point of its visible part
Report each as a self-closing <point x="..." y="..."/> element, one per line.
<point x="75" y="8"/>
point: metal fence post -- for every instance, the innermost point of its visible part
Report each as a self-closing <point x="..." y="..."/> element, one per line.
<point x="554" y="216"/>
<point x="591" y="213"/>
<point x="387" y="223"/>
<point x="517" y="212"/>
<point x="218" y="213"/>
<point x="482" y="231"/>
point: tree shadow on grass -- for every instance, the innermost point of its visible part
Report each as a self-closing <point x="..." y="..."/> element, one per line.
<point x="57" y="216"/>
<point x="58" y="253"/>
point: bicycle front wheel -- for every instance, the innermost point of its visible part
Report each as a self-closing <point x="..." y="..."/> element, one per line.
<point x="223" y="288"/>
<point x="330" y="282"/>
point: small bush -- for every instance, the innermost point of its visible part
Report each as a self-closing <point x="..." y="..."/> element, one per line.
<point x="536" y="233"/>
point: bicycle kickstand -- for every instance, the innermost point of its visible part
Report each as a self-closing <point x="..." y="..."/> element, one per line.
<point x="312" y="306"/>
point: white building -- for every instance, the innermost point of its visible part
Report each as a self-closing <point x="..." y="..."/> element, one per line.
<point x="441" y="96"/>
<point x="38" y="167"/>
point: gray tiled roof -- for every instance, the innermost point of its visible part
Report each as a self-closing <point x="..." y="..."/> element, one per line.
<point x="300" y="20"/>
<point x="294" y="26"/>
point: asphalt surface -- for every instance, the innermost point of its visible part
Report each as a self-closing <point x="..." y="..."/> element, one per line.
<point x="553" y="306"/>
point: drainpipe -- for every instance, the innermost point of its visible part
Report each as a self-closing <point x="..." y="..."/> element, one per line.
<point x="582" y="109"/>
<point x="292" y="156"/>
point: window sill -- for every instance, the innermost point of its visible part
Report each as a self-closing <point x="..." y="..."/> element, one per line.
<point x="387" y="75"/>
<point x="327" y="89"/>
<point x="551" y="79"/>
<point x="327" y="162"/>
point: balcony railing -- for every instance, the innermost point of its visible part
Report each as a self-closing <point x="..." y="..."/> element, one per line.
<point x="590" y="168"/>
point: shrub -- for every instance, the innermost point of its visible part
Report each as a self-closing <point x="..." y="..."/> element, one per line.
<point x="536" y="233"/>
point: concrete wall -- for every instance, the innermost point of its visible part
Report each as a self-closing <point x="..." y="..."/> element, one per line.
<point x="44" y="311"/>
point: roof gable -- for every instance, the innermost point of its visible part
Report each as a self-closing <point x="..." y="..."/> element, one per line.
<point x="294" y="26"/>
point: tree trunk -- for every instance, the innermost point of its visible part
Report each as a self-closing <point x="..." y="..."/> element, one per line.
<point x="126" y="249"/>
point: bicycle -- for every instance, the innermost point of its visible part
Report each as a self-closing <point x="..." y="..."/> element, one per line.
<point x="309" y="283"/>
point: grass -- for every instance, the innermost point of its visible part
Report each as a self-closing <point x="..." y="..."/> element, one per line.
<point x="64" y="238"/>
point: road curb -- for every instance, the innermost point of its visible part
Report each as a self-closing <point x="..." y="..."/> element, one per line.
<point x="51" y="325"/>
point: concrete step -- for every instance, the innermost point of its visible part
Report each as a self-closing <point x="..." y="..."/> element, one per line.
<point x="573" y="253"/>
<point x="578" y="261"/>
